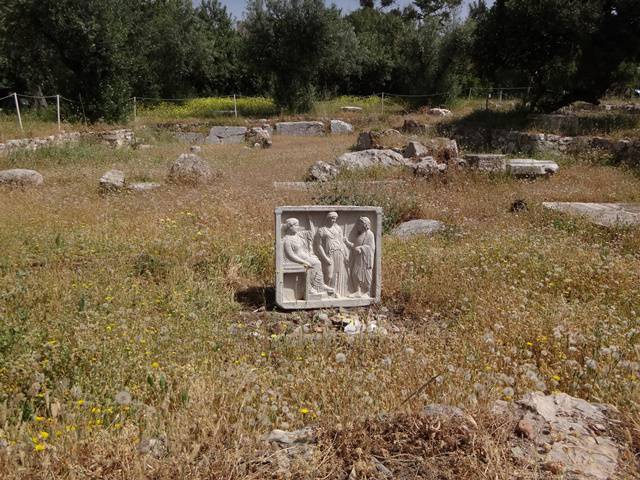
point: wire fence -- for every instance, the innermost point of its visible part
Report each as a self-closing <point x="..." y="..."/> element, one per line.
<point x="386" y="100"/>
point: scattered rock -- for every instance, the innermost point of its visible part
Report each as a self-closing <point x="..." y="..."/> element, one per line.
<point x="564" y="434"/>
<point x="354" y="327"/>
<point x="259" y="137"/>
<point x="385" y="140"/>
<point x="321" y="172"/>
<point x="518" y="206"/>
<point x="117" y="138"/>
<point x="491" y="163"/>
<point x="444" y="150"/>
<point x="143" y="146"/>
<point x="142" y="187"/>
<point x="604" y="214"/>
<point x="112" y="181"/>
<point x="189" y="169"/>
<point x="338" y="127"/>
<point x="195" y="149"/>
<point x="523" y="167"/>
<point x="418" y="227"/>
<point x="525" y="428"/>
<point x="439" y="112"/>
<point x="415" y="149"/>
<point x="226" y="135"/>
<point x="370" y="158"/>
<point x="351" y="109"/>
<point x="300" y="128"/>
<point x="391" y="132"/>
<point x="369" y="140"/>
<point x="284" y="438"/>
<point x="427" y="167"/>
<point x="156" y="447"/>
<point x="412" y="127"/>
<point x="20" y="177"/>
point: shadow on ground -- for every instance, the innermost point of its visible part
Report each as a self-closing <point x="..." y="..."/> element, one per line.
<point x="256" y="297"/>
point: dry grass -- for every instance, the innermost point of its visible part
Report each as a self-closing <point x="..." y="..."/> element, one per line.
<point x="136" y="292"/>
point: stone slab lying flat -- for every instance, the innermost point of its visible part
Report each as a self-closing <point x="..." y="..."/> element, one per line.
<point x="487" y="162"/>
<point x="20" y="177"/>
<point x="302" y="129"/>
<point x="525" y="167"/>
<point x="604" y="214"/>
<point x="328" y="256"/>
<point x="305" y="186"/>
<point x="418" y="227"/>
<point x="226" y="135"/>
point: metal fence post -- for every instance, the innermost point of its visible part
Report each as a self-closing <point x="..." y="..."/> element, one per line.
<point x="58" y="110"/>
<point x="15" y="98"/>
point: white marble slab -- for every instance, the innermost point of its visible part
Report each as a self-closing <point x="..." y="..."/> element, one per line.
<point x="328" y="256"/>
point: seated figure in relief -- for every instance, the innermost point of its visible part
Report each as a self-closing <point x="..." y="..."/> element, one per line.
<point x="362" y="258"/>
<point x="297" y="249"/>
<point x="334" y="255"/>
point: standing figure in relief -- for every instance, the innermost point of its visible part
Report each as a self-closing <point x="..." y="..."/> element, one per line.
<point x="296" y="249"/>
<point x="334" y="255"/>
<point x="363" y="255"/>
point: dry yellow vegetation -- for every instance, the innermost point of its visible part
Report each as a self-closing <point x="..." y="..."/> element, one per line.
<point x="133" y="316"/>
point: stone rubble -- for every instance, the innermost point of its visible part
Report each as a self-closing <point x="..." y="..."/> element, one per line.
<point x="439" y="112"/>
<point x="20" y="177"/>
<point x="113" y="138"/>
<point x="555" y="433"/>
<point x="322" y="172"/>
<point x="340" y="127"/>
<point x="112" y="181"/>
<point x="189" y="169"/>
<point x="258" y="137"/>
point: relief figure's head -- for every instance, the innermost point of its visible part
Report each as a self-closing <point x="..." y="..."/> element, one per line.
<point x="364" y="224"/>
<point x="292" y="225"/>
<point x="332" y="218"/>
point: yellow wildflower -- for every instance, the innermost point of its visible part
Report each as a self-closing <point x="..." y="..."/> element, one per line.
<point x="43" y="435"/>
<point x="39" y="447"/>
<point x="39" y="419"/>
<point x="155" y="365"/>
<point x="304" y="411"/>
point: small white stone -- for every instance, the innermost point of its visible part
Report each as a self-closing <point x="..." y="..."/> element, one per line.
<point x="341" y="358"/>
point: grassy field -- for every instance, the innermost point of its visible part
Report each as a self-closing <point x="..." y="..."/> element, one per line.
<point x="127" y="317"/>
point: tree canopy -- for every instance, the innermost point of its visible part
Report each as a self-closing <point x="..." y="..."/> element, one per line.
<point x="102" y="52"/>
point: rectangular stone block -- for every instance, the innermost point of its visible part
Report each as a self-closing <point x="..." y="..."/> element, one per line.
<point x="302" y="129"/>
<point x="485" y="162"/>
<point x="328" y="256"/>
<point x="226" y="135"/>
<point x="525" y="167"/>
<point x="604" y="214"/>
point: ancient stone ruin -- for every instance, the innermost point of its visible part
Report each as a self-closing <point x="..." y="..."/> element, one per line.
<point x="328" y="256"/>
